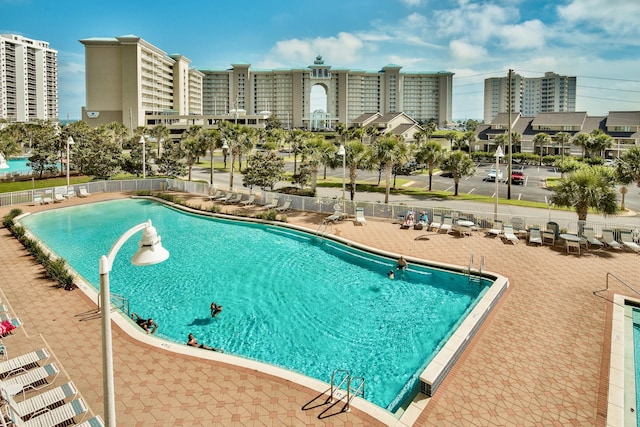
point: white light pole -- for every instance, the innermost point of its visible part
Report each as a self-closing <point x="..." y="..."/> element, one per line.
<point x="342" y="152"/>
<point x="498" y="155"/>
<point x="144" y="155"/>
<point x="70" y="141"/>
<point x="150" y="252"/>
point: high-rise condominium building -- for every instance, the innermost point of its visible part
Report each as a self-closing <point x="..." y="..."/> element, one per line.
<point x="28" y="79"/>
<point x="128" y="79"/>
<point x="286" y="93"/>
<point x="529" y="96"/>
<point x="135" y="83"/>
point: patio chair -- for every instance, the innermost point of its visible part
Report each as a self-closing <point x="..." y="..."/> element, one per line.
<point x="286" y="206"/>
<point x="248" y="202"/>
<point x="437" y="221"/>
<point x="33" y="379"/>
<point x="48" y="197"/>
<point x="92" y="422"/>
<point x="213" y="196"/>
<point x="627" y="240"/>
<point x="447" y="224"/>
<point x="70" y="192"/>
<point x="58" y="197"/>
<point x="573" y="246"/>
<point x="409" y="221"/>
<point x="37" y="199"/>
<point x="496" y="228"/>
<point x="518" y="224"/>
<point x="23" y="362"/>
<point x="82" y="192"/>
<point x="42" y="402"/>
<point x="337" y="215"/>
<point x="360" y="219"/>
<point x="609" y="240"/>
<point x="234" y="199"/>
<point x="272" y="205"/>
<point x="226" y="197"/>
<point x="508" y="234"/>
<point x="590" y="236"/>
<point x="535" y="236"/>
<point x="62" y="415"/>
<point x="8" y="324"/>
<point x="548" y="237"/>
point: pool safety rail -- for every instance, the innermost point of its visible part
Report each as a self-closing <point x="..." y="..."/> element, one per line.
<point x="354" y="387"/>
<point x="120" y="301"/>
<point x="475" y="278"/>
<point x="606" y="289"/>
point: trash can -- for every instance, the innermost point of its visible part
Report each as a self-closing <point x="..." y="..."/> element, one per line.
<point x="553" y="226"/>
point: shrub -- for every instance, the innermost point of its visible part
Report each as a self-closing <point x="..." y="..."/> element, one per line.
<point x="215" y="208"/>
<point x="143" y="193"/>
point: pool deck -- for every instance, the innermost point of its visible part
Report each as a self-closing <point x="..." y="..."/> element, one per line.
<point x="542" y="358"/>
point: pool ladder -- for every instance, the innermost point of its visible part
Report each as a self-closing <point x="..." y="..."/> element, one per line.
<point x="323" y="228"/>
<point x="472" y="277"/>
<point x="120" y="301"/>
<point x="353" y="390"/>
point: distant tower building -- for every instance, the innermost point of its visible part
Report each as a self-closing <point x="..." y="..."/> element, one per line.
<point x="529" y="96"/>
<point x="127" y="79"/>
<point x="28" y="79"/>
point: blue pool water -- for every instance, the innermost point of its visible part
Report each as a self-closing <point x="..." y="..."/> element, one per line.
<point x="289" y="299"/>
<point x="17" y="165"/>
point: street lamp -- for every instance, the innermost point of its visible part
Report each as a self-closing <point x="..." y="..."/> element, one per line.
<point x="342" y="152"/>
<point x="150" y="251"/>
<point x="498" y="155"/>
<point x="70" y="141"/>
<point x="144" y="155"/>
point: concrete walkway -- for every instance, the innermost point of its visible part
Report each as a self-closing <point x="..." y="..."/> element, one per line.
<point x="541" y="358"/>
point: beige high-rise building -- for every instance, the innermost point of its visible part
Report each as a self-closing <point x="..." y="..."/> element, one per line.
<point x="529" y="96"/>
<point x="128" y="79"/>
<point x="28" y="79"/>
<point x="286" y="93"/>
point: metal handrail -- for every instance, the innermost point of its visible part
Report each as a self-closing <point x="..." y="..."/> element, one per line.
<point x="609" y="274"/>
<point x="335" y="388"/>
<point x="120" y="301"/>
<point x="358" y="391"/>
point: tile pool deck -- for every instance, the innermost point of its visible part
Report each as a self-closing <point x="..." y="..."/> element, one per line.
<point x="542" y="358"/>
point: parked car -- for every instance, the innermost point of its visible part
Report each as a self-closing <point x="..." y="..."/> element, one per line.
<point x="517" y="177"/>
<point x="492" y="175"/>
<point x="609" y="162"/>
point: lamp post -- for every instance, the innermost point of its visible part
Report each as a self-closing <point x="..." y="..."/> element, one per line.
<point x="342" y="152"/>
<point x="498" y="155"/>
<point x="150" y="251"/>
<point x="144" y="155"/>
<point x="70" y="142"/>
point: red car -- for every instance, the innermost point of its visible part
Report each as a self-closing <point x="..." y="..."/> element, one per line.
<point x="517" y="177"/>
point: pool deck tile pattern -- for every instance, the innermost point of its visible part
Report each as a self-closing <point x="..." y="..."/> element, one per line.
<point x="541" y="358"/>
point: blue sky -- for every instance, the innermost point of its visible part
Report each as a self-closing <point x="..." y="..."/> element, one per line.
<point x="596" y="40"/>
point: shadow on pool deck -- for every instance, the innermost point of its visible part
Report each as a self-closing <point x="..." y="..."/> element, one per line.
<point x="541" y="358"/>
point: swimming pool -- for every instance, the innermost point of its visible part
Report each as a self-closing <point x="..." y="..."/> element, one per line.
<point x="289" y="299"/>
<point x="17" y="165"/>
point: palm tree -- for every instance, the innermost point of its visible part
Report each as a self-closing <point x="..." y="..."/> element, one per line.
<point x="628" y="170"/>
<point x="341" y="128"/>
<point x="587" y="188"/>
<point x="388" y="151"/>
<point x="541" y="139"/>
<point x="357" y="157"/>
<point x="431" y="154"/>
<point x="469" y="138"/>
<point x="212" y="138"/>
<point x="451" y="137"/>
<point x="562" y="138"/>
<point x="160" y="133"/>
<point x="193" y="146"/>
<point x="582" y="140"/>
<point x="296" y="138"/>
<point x="600" y="142"/>
<point x="460" y="165"/>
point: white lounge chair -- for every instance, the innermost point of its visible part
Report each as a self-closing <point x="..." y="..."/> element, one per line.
<point x="234" y="199"/>
<point x="58" y="197"/>
<point x="496" y="228"/>
<point x="609" y="240"/>
<point x="48" y="197"/>
<point x="92" y="422"/>
<point x="40" y="403"/>
<point x="272" y="205"/>
<point x="286" y="206"/>
<point x="535" y="236"/>
<point x="227" y="197"/>
<point x="23" y="362"/>
<point x="33" y="379"/>
<point x="37" y="199"/>
<point x="447" y="224"/>
<point x="214" y="195"/>
<point x="627" y="239"/>
<point x="360" y="219"/>
<point x="64" y="415"/>
<point x="590" y="236"/>
<point x="70" y="192"/>
<point x="82" y="192"/>
<point x="508" y="234"/>
<point x="248" y="202"/>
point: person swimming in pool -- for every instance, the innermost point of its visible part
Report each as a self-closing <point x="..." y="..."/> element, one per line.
<point x="148" y="325"/>
<point x="402" y="264"/>
<point x="215" y="309"/>
<point x="391" y="274"/>
<point x="193" y="342"/>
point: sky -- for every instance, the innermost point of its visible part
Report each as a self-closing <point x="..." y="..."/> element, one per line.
<point x="598" y="41"/>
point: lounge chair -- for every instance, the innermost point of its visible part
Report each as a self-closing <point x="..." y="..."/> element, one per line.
<point x="23" y="362"/>
<point x="627" y="239"/>
<point x="58" y="197"/>
<point x="40" y="403"/>
<point x="496" y="228"/>
<point x="234" y="199"/>
<point x="82" y="192"/>
<point x="226" y="197"/>
<point x="214" y="195"/>
<point x="549" y="237"/>
<point x="272" y="205"/>
<point x="92" y="422"/>
<point x="48" y="197"/>
<point x="423" y="222"/>
<point x="37" y="199"/>
<point x="609" y="240"/>
<point x="535" y="236"/>
<point x="447" y="224"/>
<point x="33" y="379"/>
<point x="508" y="234"/>
<point x="572" y="246"/>
<point x="286" y="206"/>
<point x="62" y="415"/>
<point x="248" y="202"/>
<point x="8" y="324"/>
<point x="590" y="236"/>
<point x="409" y="221"/>
<point x="337" y="215"/>
<point x="360" y="219"/>
<point x="437" y="221"/>
<point x="70" y="192"/>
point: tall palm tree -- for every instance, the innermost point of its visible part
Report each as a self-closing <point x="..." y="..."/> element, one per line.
<point x="540" y="140"/>
<point x="160" y="133"/>
<point x="296" y="138"/>
<point x="193" y="146"/>
<point x="451" y="136"/>
<point x="431" y="154"/>
<point x="341" y="128"/>
<point x="388" y="151"/>
<point x="460" y="165"/>
<point x="587" y="188"/>
<point x="212" y="138"/>
<point x="563" y="138"/>
<point x="357" y="157"/>
<point x="583" y="140"/>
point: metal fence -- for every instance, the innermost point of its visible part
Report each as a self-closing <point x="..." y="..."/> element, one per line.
<point x="327" y="205"/>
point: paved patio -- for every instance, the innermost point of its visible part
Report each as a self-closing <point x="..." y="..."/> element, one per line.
<point x="541" y="358"/>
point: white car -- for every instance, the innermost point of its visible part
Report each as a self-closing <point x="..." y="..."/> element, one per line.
<point x="609" y="162"/>
<point x="492" y="175"/>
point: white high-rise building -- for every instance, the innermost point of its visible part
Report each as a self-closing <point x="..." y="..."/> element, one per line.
<point x="28" y="79"/>
<point x="529" y="96"/>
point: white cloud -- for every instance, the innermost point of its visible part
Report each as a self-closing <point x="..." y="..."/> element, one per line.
<point x="464" y="52"/>
<point x="615" y="17"/>
<point x="528" y="35"/>
<point x="411" y="3"/>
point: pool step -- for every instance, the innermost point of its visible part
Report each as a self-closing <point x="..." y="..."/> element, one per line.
<point x="351" y="391"/>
